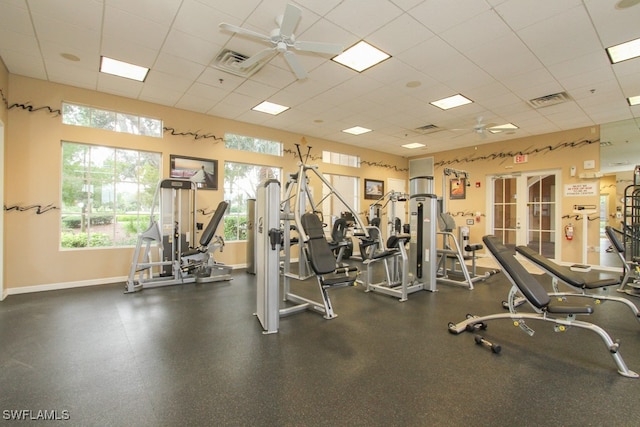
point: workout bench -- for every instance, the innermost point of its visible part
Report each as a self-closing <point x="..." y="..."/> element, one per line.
<point x="562" y="316"/>
<point x="574" y="280"/>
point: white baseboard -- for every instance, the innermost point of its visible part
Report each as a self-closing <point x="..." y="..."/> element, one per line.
<point x="78" y="284"/>
<point x="63" y="285"/>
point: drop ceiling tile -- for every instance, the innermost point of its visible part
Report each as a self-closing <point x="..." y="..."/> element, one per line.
<point x="15" y="18"/>
<point x="191" y="48"/>
<point x="160" y="11"/>
<point x="440" y="15"/>
<point x="83" y="14"/>
<point x="127" y="26"/>
<point x="519" y="14"/>
<point x="614" y="25"/>
<point x="371" y="15"/>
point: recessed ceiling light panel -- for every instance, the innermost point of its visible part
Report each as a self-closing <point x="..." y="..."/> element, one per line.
<point x="451" y="102"/>
<point x="624" y="51"/>
<point x="634" y="100"/>
<point x="123" y="69"/>
<point x="361" y="56"/>
<point x="357" y="130"/>
<point x="413" y="145"/>
<point x="270" y="108"/>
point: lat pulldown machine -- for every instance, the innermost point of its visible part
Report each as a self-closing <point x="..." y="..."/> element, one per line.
<point x="451" y="255"/>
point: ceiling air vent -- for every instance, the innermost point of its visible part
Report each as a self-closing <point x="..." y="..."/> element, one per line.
<point x="427" y="129"/>
<point x="229" y="61"/>
<point x="548" y="100"/>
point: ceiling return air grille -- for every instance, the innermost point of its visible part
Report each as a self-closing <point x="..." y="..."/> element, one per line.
<point x="229" y="61"/>
<point x="548" y="100"/>
<point x="427" y="129"/>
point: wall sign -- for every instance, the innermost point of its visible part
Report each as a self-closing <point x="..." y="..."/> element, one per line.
<point x="581" y="189"/>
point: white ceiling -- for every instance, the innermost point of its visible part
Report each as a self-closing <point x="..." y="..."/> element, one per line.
<point x="499" y="53"/>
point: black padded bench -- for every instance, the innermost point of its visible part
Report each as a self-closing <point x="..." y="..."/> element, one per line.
<point x="524" y="283"/>
<point x="575" y="280"/>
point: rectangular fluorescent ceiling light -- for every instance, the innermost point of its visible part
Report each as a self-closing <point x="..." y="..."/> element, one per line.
<point x="413" y="145"/>
<point x="624" y="51"/>
<point x="361" y="56"/>
<point x="502" y="128"/>
<point x="270" y="108"/>
<point x="451" y="102"/>
<point x="357" y="130"/>
<point x="123" y="69"/>
<point x="634" y="100"/>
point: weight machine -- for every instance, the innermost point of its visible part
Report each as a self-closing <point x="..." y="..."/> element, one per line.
<point x="451" y="256"/>
<point x="275" y="223"/>
<point x="394" y="223"/>
<point x="176" y="258"/>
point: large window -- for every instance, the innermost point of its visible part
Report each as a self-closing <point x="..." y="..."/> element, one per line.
<point x="240" y="183"/>
<point x="254" y="145"/>
<point x="107" y="194"/>
<point x="82" y="115"/>
<point x="340" y="159"/>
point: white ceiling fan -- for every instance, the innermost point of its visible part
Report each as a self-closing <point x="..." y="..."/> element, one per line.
<point x="281" y="40"/>
<point x="480" y="128"/>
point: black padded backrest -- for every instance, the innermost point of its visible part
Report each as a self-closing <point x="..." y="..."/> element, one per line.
<point x="613" y="238"/>
<point x="375" y="222"/>
<point x="210" y="230"/>
<point x="394" y="241"/>
<point x="563" y="273"/>
<point x="339" y="230"/>
<point x="320" y="254"/>
<point x="526" y="283"/>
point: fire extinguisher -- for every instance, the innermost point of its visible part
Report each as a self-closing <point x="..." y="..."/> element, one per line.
<point x="568" y="231"/>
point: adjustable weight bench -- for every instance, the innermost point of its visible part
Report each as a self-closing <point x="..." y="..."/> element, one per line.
<point x="575" y="280"/>
<point x="628" y="266"/>
<point x="323" y="262"/>
<point x="523" y="282"/>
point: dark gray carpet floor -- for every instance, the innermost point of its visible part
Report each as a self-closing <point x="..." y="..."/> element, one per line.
<point x="195" y="355"/>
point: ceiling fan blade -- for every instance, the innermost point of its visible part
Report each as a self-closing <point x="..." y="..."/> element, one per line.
<point x="289" y="20"/>
<point x="263" y="54"/>
<point x="243" y="31"/>
<point x="318" y="47"/>
<point x="295" y="65"/>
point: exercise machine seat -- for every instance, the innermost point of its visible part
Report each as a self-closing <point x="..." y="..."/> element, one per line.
<point x="210" y="230"/>
<point x="320" y="255"/>
<point x="321" y="258"/>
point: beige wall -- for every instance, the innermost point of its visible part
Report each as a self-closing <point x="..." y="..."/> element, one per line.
<point x="33" y="166"/>
<point x="497" y="158"/>
<point x="4" y="85"/>
<point x="33" y="160"/>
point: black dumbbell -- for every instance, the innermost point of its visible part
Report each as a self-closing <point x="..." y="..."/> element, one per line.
<point x="495" y="348"/>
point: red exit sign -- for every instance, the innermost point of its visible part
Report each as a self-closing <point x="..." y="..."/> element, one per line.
<point x="522" y="158"/>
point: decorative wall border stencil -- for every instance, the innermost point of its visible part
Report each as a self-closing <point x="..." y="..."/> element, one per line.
<point x="508" y="155"/>
<point x="39" y="208"/>
<point x="30" y="108"/>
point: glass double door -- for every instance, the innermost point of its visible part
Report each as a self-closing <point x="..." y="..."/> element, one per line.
<point x="525" y="211"/>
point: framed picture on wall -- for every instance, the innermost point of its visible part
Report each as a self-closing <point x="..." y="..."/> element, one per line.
<point x="457" y="188"/>
<point x="373" y="189"/>
<point x="186" y="167"/>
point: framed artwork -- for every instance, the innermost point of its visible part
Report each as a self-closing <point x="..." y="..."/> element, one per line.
<point x="373" y="189"/>
<point x="186" y="167"/>
<point x="457" y="188"/>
